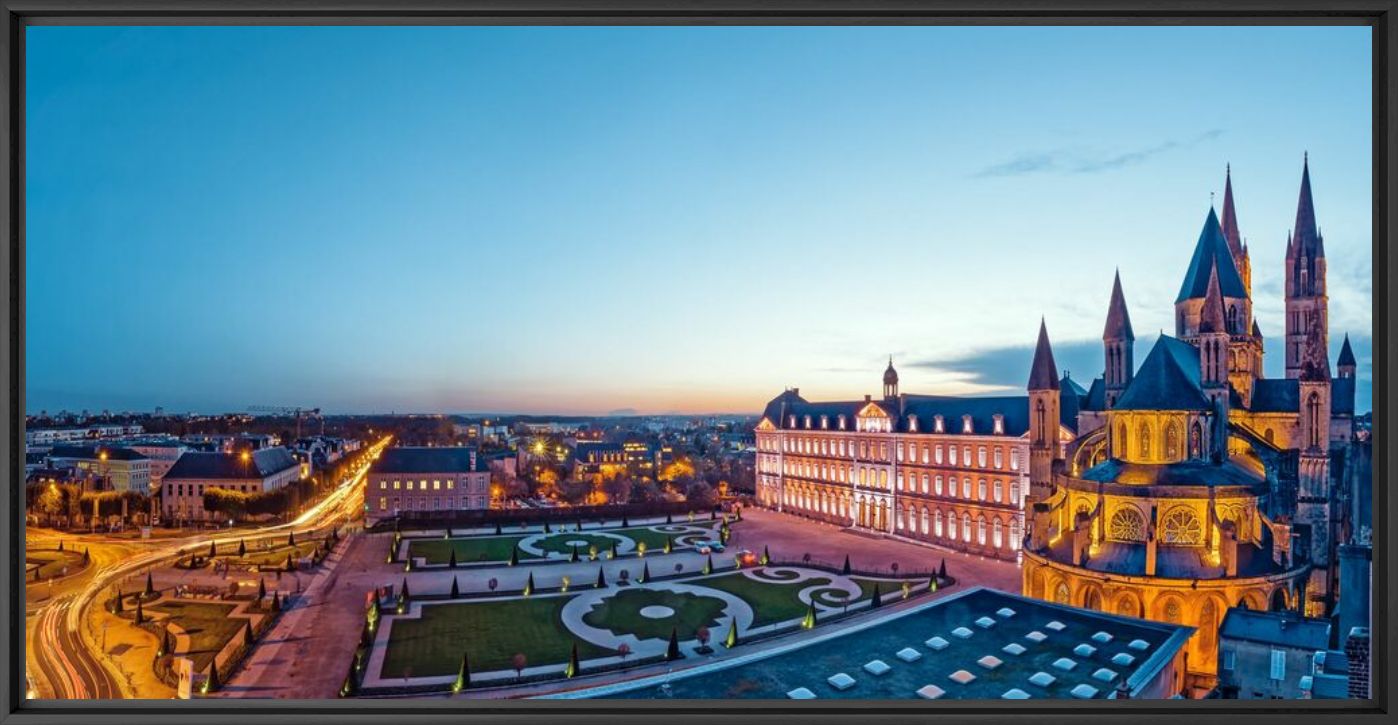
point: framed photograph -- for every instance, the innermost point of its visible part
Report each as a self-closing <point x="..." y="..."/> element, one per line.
<point x="538" y="361"/>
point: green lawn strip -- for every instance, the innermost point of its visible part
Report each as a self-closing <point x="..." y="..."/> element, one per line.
<point x="490" y="633"/>
<point x="490" y="548"/>
<point x="620" y="613"/>
<point x="51" y="562"/>
<point x="866" y="586"/>
<point x="770" y="602"/>
<point x="274" y="556"/>
<point x="208" y="625"/>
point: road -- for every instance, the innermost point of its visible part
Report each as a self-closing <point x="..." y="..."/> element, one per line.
<point x="65" y="656"/>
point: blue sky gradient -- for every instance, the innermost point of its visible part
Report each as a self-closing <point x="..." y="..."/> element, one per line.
<point x="581" y="220"/>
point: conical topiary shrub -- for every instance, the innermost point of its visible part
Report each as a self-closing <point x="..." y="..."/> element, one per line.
<point x="731" y="640"/>
<point x="809" y="620"/>
<point x="672" y="652"/>
<point x="455" y="589"/>
<point x="877" y="600"/>
<point x="601" y="578"/>
<point x="573" y="667"/>
<point x="463" y="675"/>
<point x="846" y="568"/>
<point x="451" y="562"/>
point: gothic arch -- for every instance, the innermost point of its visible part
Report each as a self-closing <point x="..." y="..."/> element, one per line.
<point x="1127" y="524"/>
<point x="1144" y="444"/>
<point x="1128" y="604"/>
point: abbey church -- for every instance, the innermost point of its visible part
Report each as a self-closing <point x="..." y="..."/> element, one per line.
<point x="1193" y="483"/>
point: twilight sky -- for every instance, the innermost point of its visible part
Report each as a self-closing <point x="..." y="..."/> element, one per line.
<point x="583" y="220"/>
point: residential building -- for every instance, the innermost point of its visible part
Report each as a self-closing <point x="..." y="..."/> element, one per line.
<point x="1264" y="655"/>
<point x="110" y="468"/>
<point x="426" y="479"/>
<point x="245" y="471"/>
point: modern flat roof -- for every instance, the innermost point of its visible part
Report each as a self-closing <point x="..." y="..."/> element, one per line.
<point x="977" y="644"/>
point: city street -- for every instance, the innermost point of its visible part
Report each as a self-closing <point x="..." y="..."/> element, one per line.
<point x="62" y="635"/>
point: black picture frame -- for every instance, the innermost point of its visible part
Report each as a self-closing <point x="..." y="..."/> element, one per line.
<point x="1379" y="15"/>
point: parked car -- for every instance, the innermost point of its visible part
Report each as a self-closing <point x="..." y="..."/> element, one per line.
<point x="709" y="546"/>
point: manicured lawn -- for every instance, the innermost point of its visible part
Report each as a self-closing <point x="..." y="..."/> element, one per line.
<point x="562" y="544"/>
<point x="208" y="625"/>
<point x="490" y="633"/>
<point x="486" y="548"/>
<point x="654" y="540"/>
<point x="51" y="562"/>
<point x="621" y="613"/>
<point x="770" y="602"/>
<point x="275" y="556"/>
<point x="866" y="587"/>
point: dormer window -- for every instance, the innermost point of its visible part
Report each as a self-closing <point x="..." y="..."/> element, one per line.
<point x="999" y="424"/>
<point x="808" y="422"/>
<point x="966" y="424"/>
<point x="825" y="422"/>
<point x="842" y="422"/>
<point x="912" y="424"/>
<point x="791" y="421"/>
<point x="939" y="425"/>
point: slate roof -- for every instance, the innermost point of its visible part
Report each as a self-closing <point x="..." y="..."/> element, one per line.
<point x="1096" y="398"/>
<point x="92" y="453"/>
<point x="428" y="460"/>
<point x="1276" y="628"/>
<point x="1183" y="473"/>
<point x="1210" y="253"/>
<point x="1346" y="354"/>
<point x="261" y="463"/>
<point x="1276" y="395"/>
<point x="1013" y="408"/>
<point x="1171" y="561"/>
<point x="1305" y="235"/>
<point x="1043" y="372"/>
<point x="1167" y="380"/>
<point x="1118" y="319"/>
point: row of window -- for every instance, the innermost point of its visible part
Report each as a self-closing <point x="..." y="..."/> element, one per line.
<point x="435" y="503"/>
<point x="984" y="456"/>
<point x="921" y="520"/>
<point x="912" y="482"/>
<point x="197" y="489"/>
<point x="883" y="424"/>
<point x="420" y="485"/>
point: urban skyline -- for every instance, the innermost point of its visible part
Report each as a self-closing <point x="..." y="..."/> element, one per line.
<point x="919" y="183"/>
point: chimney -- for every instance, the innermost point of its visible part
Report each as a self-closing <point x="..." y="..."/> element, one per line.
<point x="1038" y="527"/>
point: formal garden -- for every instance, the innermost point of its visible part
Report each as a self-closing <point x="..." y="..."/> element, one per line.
<point x="573" y="542"/>
<point x="555" y="628"/>
<point x="48" y="564"/>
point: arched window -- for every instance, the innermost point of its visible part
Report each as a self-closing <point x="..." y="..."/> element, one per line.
<point x="1039" y="422"/>
<point x="980" y="530"/>
<point x="998" y="534"/>
<point x="999" y="490"/>
<point x="966" y="487"/>
<point x="1172" y="441"/>
<point x="1127" y="525"/>
<point x="1172" y="611"/>
<point x="1121" y="441"/>
<point x="1196" y="441"/>
<point x="1232" y="318"/>
<point x="1182" y="527"/>
<point x="1060" y="593"/>
<point x="937" y="485"/>
<point x="1144" y="435"/>
<point x="937" y="521"/>
<point x="966" y="527"/>
<point x="924" y="521"/>
<point x="1015" y="534"/>
<point x="1313" y="410"/>
<point x="980" y="489"/>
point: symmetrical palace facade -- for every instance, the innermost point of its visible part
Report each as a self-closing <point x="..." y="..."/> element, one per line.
<point x="950" y="471"/>
<point x="1195" y="484"/>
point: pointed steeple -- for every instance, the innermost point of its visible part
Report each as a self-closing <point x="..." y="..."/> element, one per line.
<point x="1211" y="316"/>
<point x="1043" y="372"/>
<point x="1305" y="235"/>
<point x="1230" y="216"/>
<point x="1256" y="331"/>
<point x="1211" y="255"/>
<point x="1346" y="354"/>
<point x="1118" y="319"/>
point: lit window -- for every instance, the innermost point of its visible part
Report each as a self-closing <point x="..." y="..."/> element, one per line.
<point x="912" y="423"/>
<point x="980" y="457"/>
<point x="1014" y="460"/>
<point x="980" y="489"/>
<point x="999" y="491"/>
<point x="938" y="483"/>
<point x="999" y="457"/>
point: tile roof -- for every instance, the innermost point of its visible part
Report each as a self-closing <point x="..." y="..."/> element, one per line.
<point x="1167" y="380"/>
<point x="1210" y="254"/>
<point x="261" y="463"/>
<point x="429" y="460"/>
<point x="92" y="453"/>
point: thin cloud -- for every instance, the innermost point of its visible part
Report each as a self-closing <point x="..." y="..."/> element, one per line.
<point x="1070" y="161"/>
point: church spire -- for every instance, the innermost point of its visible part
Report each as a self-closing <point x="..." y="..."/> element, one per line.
<point x="1118" y="319"/>
<point x="1230" y="217"/>
<point x="1305" y="233"/>
<point x="1211" y="318"/>
<point x="1043" y="372"/>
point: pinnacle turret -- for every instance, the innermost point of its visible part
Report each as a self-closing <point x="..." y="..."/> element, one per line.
<point x="1118" y="318"/>
<point x="1043" y="372"/>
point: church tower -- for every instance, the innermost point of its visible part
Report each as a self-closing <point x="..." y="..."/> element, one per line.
<point x="890" y="381"/>
<point x="1119" y="343"/>
<point x="1044" y="406"/>
<point x="1306" y="301"/>
<point x="1346" y="365"/>
<point x="1213" y="343"/>
<point x="1313" y="499"/>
